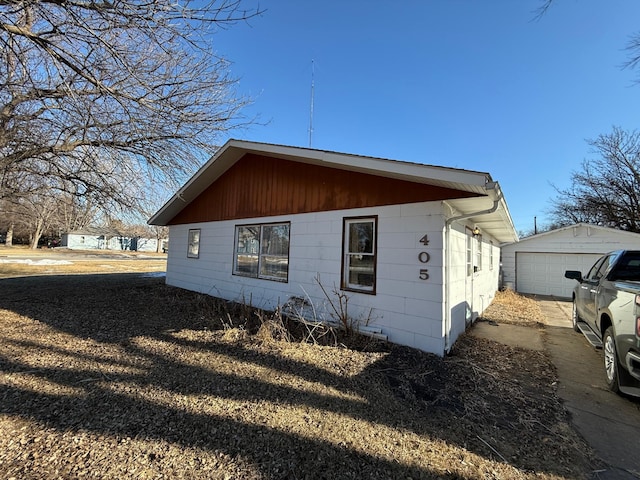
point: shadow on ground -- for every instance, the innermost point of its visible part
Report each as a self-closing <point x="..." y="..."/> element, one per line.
<point x="138" y="368"/>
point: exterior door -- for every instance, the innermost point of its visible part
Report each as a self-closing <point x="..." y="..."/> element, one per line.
<point x="469" y="275"/>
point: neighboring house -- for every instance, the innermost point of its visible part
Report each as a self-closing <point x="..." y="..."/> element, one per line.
<point x="96" y="238"/>
<point x="414" y="247"/>
<point x="536" y="264"/>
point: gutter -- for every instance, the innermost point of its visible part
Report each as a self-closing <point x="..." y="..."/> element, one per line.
<point x="447" y="292"/>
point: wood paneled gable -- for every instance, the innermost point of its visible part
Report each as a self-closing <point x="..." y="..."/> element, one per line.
<point x="262" y="186"/>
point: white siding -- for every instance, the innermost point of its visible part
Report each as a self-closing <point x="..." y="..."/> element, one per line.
<point x="80" y="241"/>
<point x="471" y="294"/>
<point x="410" y="311"/>
<point x="576" y="246"/>
<point x="87" y="241"/>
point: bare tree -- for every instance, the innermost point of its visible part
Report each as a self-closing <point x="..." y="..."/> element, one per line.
<point x="607" y="189"/>
<point x="75" y="213"/>
<point x="7" y="221"/>
<point x="95" y="95"/>
<point x="35" y="213"/>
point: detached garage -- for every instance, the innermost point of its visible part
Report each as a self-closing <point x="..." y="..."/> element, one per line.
<point x="536" y="264"/>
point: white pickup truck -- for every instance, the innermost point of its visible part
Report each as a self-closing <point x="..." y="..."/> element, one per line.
<point x="606" y="309"/>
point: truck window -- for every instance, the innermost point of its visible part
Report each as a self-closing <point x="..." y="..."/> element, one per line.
<point x="628" y="267"/>
<point x="600" y="268"/>
<point x="594" y="270"/>
<point x="604" y="266"/>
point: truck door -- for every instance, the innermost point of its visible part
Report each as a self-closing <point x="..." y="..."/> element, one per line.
<point x="585" y="294"/>
<point x="593" y="284"/>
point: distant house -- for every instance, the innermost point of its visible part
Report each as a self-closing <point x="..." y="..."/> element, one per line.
<point x="414" y="247"/>
<point x="96" y="238"/>
<point x="536" y="264"/>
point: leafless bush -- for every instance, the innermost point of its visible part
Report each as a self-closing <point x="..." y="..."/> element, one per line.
<point x="339" y="303"/>
<point x="272" y="327"/>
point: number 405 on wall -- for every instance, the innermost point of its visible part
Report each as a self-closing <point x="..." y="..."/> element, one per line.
<point x="424" y="257"/>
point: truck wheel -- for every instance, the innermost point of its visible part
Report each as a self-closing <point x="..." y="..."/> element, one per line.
<point x="611" y="366"/>
<point x="575" y="318"/>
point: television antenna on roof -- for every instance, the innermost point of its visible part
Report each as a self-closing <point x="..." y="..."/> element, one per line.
<point x="311" y="106"/>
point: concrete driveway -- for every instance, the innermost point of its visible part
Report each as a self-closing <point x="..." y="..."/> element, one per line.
<point x="608" y="422"/>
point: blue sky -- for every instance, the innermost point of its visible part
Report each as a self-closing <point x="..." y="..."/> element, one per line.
<point x="478" y="85"/>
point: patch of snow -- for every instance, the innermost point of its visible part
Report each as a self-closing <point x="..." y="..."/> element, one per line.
<point x="42" y="261"/>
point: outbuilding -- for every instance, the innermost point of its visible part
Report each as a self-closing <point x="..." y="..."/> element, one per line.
<point x="536" y="264"/>
<point x="414" y="248"/>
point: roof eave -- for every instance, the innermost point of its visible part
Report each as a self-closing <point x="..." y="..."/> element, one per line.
<point x="234" y="150"/>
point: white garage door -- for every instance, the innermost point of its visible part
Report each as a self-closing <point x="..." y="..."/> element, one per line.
<point x="543" y="273"/>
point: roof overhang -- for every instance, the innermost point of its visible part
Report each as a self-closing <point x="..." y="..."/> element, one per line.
<point x="490" y="214"/>
<point x="499" y="223"/>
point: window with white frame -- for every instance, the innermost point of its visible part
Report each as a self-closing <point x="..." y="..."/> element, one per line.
<point x="490" y="255"/>
<point x="193" y="248"/>
<point x="262" y="251"/>
<point x="478" y="253"/>
<point x="359" y="254"/>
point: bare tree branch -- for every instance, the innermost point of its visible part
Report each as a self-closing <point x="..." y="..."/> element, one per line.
<point x="96" y="95"/>
<point x="607" y="189"/>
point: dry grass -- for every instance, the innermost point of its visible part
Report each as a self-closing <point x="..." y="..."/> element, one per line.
<point x="512" y="308"/>
<point x="19" y="261"/>
<point x="120" y="376"/>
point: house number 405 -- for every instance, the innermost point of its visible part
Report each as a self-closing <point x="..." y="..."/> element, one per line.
<point x="424" y="257"/>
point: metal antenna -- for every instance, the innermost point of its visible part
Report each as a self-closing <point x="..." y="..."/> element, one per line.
<point x="311" y="109"/>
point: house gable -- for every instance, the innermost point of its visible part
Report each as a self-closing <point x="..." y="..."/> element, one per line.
<point x="260" y="186"/>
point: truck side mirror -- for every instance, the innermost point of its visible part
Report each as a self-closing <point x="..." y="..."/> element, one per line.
<point x="573" y="275"/>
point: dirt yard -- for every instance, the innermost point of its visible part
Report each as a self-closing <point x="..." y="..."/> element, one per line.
<point x="120" y="376"/>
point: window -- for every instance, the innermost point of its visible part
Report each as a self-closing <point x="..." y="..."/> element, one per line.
<point x="262" y="251"/>
<point x="193" y="249"/>
<point x="627" y="268"/>
<point x="490" y="255"/>
<point x="478" y="253"/>
<point x="593" y="273"/>
<point x="599" y="269"/>
<point x="359" y="254"/>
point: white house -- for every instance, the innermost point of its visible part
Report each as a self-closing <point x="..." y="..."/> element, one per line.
<point x="414" y="247"/>
<point x="97" y="238"/>
<point x="536" y="264"/>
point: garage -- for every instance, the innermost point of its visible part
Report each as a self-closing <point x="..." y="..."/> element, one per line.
<point x="543" y="273"/>
<point x="536" y="264"/>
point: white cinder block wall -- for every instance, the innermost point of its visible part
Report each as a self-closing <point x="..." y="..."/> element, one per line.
<point x="470" y="295"/>
<point x="408" y="309"/>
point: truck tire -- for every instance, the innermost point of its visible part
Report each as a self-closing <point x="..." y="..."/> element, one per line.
<point x="575" y="318"/>
<point x="611" y="366"/>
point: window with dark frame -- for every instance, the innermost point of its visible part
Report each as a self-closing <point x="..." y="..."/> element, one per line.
<point x="193" y="248"/>
<point x="262" y="251"/>
<point x="359" y="254"/>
